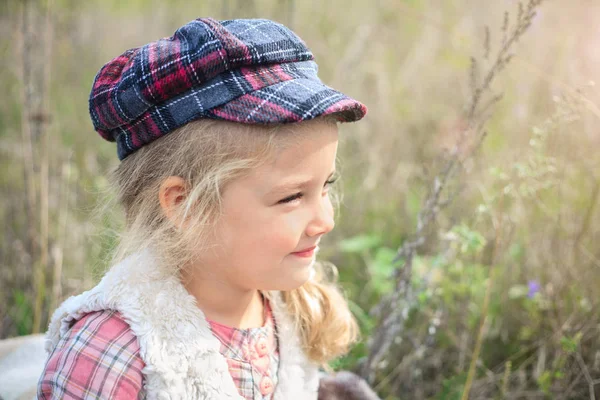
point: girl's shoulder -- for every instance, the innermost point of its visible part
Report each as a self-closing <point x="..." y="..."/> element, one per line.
<point x="98" y="358"/>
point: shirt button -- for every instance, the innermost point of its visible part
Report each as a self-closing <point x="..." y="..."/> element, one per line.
<point x="262" y="348"/>
<point x="266" y="386"/>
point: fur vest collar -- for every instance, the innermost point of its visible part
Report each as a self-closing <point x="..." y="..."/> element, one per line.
<point x="181" y="354"/>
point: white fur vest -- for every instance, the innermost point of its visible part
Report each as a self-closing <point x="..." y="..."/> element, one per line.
<point x="181" y="354"/>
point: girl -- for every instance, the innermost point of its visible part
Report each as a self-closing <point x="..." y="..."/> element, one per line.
<point x="227" y="140"/>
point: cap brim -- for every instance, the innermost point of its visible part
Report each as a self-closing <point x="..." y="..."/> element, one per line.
<point x="294" y="100"/>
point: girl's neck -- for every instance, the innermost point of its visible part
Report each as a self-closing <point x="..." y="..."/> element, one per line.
<point x="226" y="305"/>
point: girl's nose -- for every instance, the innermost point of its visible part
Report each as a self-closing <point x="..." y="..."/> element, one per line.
<point x="322" y="221"/>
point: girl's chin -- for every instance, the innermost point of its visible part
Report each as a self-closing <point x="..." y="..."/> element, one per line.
<point x="295" y="279"/>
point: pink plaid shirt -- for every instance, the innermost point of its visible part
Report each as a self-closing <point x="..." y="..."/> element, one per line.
<point x="252" y="356"/>
<point x="99" y="358"/>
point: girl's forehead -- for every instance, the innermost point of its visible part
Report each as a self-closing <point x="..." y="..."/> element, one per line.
<point x="314" y="144"/>
<point x="309" y="157"/>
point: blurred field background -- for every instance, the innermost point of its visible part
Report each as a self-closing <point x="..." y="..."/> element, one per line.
<point x="506" y="279"/>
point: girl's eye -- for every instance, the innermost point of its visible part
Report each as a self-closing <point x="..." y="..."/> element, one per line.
<point x="331" y="181"/>
<point x="290" y="198"/>
<point x="298" y="195"/>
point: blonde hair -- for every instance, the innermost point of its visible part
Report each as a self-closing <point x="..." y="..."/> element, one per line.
<point x="208" y="155"/>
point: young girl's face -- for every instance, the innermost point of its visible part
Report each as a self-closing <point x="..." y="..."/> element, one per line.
<point x="273" y="219"/>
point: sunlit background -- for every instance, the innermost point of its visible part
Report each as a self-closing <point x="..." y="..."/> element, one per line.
<point x="505" y="282"/>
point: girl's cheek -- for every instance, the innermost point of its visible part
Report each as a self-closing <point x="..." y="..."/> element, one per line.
<point x="296" y="221"/>
<point x="287" y="231"/>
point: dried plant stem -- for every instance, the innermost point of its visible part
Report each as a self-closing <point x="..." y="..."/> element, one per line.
<point x="587" y="219"/>
<point x="398" y="306"/>
<point x="36" y="72"/>
<point x="479" y="340"/>
<point x="486" y="302"/>
<point x="56" y="278"/>
<point x="586" y="373"/>
<point x="44" y="189"/>
<point x="503" y="57"/>
<point x="505" y="379"/>
<point x="43" y="260"/>
<point x="62" y="233"/>
<point x="27" y="135"/>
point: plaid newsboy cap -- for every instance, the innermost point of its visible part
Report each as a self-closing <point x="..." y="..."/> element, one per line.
<point x="251" y="71"/>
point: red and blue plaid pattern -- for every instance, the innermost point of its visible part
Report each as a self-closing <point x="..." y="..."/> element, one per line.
<point x="98" y="359"/>
<point x="251" y="71"/>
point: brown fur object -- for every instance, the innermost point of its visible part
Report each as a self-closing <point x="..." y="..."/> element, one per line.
<point x="345" y="386"/>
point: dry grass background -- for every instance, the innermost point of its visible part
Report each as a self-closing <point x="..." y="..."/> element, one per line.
<point x="529" y="195"/>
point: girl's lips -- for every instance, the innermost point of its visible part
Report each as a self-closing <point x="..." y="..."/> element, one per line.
<point x="306" y="252"/>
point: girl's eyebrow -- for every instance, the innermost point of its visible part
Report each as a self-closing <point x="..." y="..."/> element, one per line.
<point x="294" y="185"/>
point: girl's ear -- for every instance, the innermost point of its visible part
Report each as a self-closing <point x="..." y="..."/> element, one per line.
<point x="171" y="194"/>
